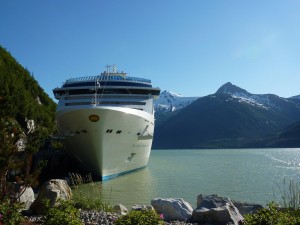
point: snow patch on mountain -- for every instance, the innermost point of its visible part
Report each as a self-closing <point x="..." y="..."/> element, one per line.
<point x="170" y="101"/>
<point x="258" y="100"/>
<point x="252" y="100"/>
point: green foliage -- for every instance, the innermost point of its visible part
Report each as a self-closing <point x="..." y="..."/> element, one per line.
<point x="272" y="215"/>
<point x="21" y="100"/>
<point x="9" y="212"/>
<point x="147" y="217"/>
<point x="62" y="214"/>
<point x="21" y="96"/>
<point x="15" y="164"/>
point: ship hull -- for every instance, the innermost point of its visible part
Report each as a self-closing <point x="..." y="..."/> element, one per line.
<point x="107" y="141"/>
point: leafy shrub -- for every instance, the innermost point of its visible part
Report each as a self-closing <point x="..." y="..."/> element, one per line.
<point x="9" y="212"/>
<point x="146" y="217"/>
<point x="272" y="215"/>
<point x="62" y="214"/>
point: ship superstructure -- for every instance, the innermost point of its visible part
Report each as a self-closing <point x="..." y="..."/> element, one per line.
<point x="107" y="121"/>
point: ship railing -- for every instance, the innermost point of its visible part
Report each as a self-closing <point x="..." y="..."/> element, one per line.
<point x="107" y="78"/>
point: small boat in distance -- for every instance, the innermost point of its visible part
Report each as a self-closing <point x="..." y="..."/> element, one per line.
<point x="107" y="121"/>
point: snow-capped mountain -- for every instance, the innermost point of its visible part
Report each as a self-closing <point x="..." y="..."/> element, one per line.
<point x="230" y="118"/>
<point x="266" y="101"/>
<point x="170" y="102"/>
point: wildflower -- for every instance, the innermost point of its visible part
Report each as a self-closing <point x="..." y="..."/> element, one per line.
<point x="161" y="216"/>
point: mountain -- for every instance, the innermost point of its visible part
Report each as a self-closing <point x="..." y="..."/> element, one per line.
<point x="230" y="118"/>
<point x="169" y="104"/>
<point x="295" y="97"/>
<point x="288" y="137"/>
<point x="267" y="101"/>
<point x="169" y="101"/>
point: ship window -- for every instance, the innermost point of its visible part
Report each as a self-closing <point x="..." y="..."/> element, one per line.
<point x="80" y="92"/>
<point x="122" y="103"/>
<point x="77" y="103"/>
<point x="84" y="131"/>
<point x="109" y="131"/>
<point x="138" y="133"/>
<point x="119" y="132"/>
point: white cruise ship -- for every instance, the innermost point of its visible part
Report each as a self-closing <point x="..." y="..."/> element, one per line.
<point x="107" y="121"/>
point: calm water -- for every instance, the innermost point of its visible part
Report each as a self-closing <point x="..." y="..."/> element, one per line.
<point x="251" y="175"/>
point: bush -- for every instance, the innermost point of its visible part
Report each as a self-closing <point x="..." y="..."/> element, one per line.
<point x="147" y="217"/>
<point x="62" y="214"/>
<point x="272" y="215"/>
<point x="9" y="212"/>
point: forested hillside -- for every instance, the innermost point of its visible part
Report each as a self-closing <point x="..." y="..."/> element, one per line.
<point x="26" y="121"/>
<point x="22" y="98"/>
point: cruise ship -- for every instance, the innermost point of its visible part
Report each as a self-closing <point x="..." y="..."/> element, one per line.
<point x="107" y="121"/>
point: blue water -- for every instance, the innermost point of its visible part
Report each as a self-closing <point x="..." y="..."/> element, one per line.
<point x="251" y="175"/>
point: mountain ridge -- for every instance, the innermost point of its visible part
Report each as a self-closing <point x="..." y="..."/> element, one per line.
<point x="232" y="117"/>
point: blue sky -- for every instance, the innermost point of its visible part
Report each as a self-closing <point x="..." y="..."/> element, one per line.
<point x="190" y="47"/>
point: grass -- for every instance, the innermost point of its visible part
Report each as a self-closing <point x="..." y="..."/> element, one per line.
<point x="91" y="199"/>
<point x="290" y="195"/>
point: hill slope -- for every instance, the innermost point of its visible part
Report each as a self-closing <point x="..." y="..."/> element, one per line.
<point x="288" y="137"/>
<point x="24" y="104"/>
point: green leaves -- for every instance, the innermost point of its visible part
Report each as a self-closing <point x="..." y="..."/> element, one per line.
<point x="273" y="215"/>
<point x="21" y="97"/>
<point x="146" y="217"/>
<point x="21" y="100"/>
<point x="9" y="212"/>
<point x="62" y="214"/>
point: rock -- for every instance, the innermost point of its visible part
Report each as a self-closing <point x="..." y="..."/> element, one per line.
<point x="173" y="209"/>
<point x="53" y="190"/>
<point x="247" y="208"/>
<point x="142" y="207"/>
<point x="26" y="197"/>
<point x="216" y="209"/>
<point x="211" y="201"/>
<point x="30" y="125"/>
<point x="120" y="209"/>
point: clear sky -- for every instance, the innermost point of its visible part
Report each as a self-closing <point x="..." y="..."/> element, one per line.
<point x="190" y="47"/>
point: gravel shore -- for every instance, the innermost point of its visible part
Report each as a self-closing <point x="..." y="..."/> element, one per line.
<point x="100" y="217"/>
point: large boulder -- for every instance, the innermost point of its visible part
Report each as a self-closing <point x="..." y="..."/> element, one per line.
<point x="142" y="207"/>
<point x="26" y="196"/>
<point x="247" y="208"/>
<point x="52" y="190"/>
<point x="173" y="209"/>
<point x="120" y="209"/>
<point x="216" y="210"/>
